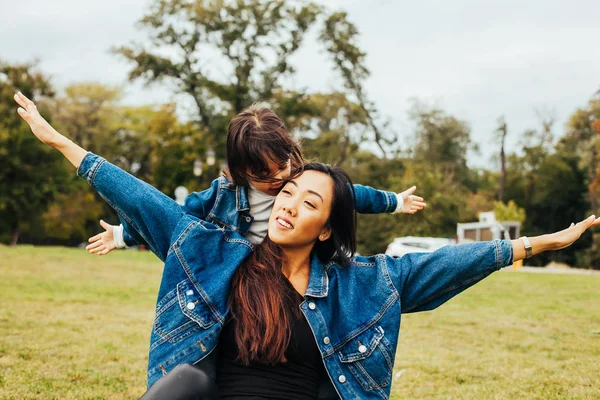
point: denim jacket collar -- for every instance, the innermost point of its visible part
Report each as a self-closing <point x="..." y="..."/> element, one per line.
<point x="318" y="281"/>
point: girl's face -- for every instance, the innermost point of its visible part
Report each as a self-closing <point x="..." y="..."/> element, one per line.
<point x="301" y="211"/>
<point x="271" y="183"/>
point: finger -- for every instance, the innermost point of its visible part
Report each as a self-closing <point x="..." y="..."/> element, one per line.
<point x="95" y="238"/>
<point x="416" y="198"/>
<point x="26" y="100"/>
<point x="105" y="225"/>
<point x="410" y="190"/>
<point x="97" y="249"/>
<point x="95" y="245"/>
<point x="24" y="114"/>
<point x="596" y="222"/>
<point x="419" y="204"/>
<point x="104" y="252"/>
<point x="20" y="101"/>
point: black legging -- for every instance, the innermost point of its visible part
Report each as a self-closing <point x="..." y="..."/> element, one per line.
<point x="185" y="382"/>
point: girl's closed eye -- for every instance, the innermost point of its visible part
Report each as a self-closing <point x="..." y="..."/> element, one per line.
<point x="285" y="191"/>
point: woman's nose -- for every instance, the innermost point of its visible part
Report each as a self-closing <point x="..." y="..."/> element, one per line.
<point x="290" y="210"/>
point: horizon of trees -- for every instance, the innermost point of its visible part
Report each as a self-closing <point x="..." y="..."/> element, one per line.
<point x="551" y="181"/>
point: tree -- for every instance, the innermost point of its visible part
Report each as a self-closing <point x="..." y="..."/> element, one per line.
<point x="32" y="174"/>
<point x="252" y="40"/>
<point x="341" y="36"/>
<point x="442" y="141"/>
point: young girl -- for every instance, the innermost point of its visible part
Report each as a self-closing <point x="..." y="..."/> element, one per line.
<point x="261" y="153"/>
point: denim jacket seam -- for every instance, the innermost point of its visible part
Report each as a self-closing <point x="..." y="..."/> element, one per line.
<point x="387" y="273"/>
<point x="95" y="167"/>
<point x="464" y="283"/>
<point x="130" y="221"/>
<point x="498" y="253"/>
<point x="211" y="213"/>
<point x="194" y="282"/>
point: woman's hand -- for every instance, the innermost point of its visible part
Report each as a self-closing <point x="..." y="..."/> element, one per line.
<point x="566" y="237"/>
<point x="39" y="126"/>
<point x="46" y="133"/>
<point x="554" y="241"/>
<point x="103" y="243"/>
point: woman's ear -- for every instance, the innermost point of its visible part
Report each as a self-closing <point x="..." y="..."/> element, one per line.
<point x="325" y="234"/>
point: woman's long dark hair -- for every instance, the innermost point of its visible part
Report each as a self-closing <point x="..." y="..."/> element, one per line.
<point x="260" y="296"/>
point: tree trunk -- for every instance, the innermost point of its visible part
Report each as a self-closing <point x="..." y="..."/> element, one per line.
<point x="15" y="236"/>
<point x="503" y="131"/>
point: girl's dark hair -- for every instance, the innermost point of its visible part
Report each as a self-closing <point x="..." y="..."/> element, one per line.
<point x="256" y="136"/>
<point x="259" y="299"/>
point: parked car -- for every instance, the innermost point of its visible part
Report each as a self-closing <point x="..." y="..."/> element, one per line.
<point x="412" y="244"/>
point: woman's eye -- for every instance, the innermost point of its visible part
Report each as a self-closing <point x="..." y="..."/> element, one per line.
<point x="308" y="203"/>
<point x="285" y="191"/>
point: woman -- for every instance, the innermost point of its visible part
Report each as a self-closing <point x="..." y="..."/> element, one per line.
<point x="351" y="305"/>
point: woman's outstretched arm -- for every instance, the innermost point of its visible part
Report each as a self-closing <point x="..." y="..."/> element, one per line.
<point x="427" y="280"/>
<point x="147" y="210"/>
<point x="46" y="133"/>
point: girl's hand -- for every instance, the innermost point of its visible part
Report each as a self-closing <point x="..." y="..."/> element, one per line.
<point x="103" y="243"/>
<point x="39" y="126"/>
<point x="412" y="203"/>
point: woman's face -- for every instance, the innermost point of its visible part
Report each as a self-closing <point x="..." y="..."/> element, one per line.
<point x="301" y="211"/>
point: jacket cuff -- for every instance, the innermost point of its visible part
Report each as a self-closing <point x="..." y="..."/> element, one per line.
<point x="399" y="204"/>
<point x="504" y="253"/>
<point x="89" y="166"/>
<point x="118" y="237"/>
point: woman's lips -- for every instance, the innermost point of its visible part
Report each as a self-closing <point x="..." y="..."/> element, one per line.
<point x="284" y="223"/>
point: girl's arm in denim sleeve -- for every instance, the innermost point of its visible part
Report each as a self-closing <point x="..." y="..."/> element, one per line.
<point x="141" y="207"/>
<point x="427" y="280"/>
<point x="198" y="204"/>
<point x="372" y="201"/>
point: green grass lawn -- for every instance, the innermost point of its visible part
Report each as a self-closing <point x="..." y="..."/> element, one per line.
<point x="74" y="326"/>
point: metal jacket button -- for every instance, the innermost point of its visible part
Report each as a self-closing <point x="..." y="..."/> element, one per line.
<point x="362" y="348"/>
<point x="191" y="306"/>
<point x="189" y="292"/>
<point x="326" y="340"/>
<point x="342" y="378"/>
<point x="312" y="305"/>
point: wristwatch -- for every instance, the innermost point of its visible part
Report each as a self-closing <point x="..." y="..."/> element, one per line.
<point x="528" y="248"/>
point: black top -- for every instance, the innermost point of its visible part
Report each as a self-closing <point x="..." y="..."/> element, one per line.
<point x="296" y="379"/>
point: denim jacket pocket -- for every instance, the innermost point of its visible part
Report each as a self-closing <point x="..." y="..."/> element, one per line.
<point x="369" y="358"/>
<point x="181" y="313"/>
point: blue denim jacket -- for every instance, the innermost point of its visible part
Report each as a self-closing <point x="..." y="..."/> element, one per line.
<point x="226" y="205"/>
<point x="354" y="312"/>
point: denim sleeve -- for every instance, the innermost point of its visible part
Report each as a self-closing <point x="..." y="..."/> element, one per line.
<point x="130" y="236"/>
<point x="373" y="201"/>
<point x="199" y="204"/>
<point x="141" y="207"/>
<point x="427" y="280"/>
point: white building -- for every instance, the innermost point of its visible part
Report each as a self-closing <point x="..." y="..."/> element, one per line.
<point x="487" y="229"/>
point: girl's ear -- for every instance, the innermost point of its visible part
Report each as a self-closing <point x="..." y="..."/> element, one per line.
<point x="325" y="234"/>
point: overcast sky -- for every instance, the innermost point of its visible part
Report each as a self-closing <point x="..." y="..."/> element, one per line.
<point x="477" y="59"/>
